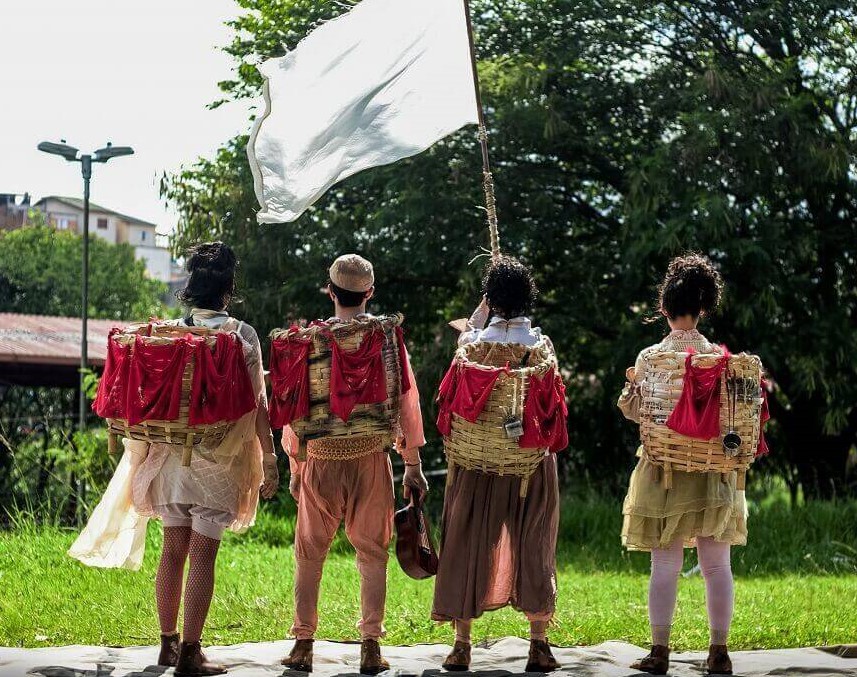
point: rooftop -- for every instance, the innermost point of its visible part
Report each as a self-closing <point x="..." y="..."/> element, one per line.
<point x="77" y="203"/>
<point x="42" y="350"/>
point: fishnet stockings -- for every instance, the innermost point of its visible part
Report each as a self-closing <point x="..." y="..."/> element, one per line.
<point x="200" y="585"/>
<point x="168" y="582"/>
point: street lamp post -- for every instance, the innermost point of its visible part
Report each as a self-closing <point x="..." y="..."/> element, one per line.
<point x="72" y="154"/>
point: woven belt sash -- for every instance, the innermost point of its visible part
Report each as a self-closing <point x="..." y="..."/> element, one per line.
<point x="344" y="448"/>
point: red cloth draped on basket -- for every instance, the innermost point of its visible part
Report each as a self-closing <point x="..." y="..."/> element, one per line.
<point x="445" y="394"/>
<point x="221" y="389"/>
<point x="111" y="399"/>
<point x="545" y="414"/>
<point x="697" y="413"/>
<point x="464" y="391"/>
<point x="289" y="381"/>
<point x="155" y="381"/>
<point x="403" y="360"/>
<point x="357" y="377"/>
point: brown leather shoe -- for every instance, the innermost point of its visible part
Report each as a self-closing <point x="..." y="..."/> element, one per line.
<point x="300" y="658"/>
<point x="371" y="662"/>
<point x="193" y="663"/>
<point x="719" y="662"/>
<point x="169" y="656"/>
<point x="541" y="659"/>
<point x="656" y="663"/>
<point x="459" y="658"/>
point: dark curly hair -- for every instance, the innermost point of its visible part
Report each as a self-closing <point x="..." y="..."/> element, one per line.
<point x="211" y="284"/>
<point x="509" y="287"/>
<point x="692" y="286"/>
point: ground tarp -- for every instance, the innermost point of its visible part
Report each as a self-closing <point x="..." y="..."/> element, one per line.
<point x="501" y="658"/>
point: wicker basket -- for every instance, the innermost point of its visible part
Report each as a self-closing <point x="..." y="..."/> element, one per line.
<point x="660" y="392"/>
<point x="366" y="420"/>
<point x="484" y="445"/>
<point x="179" y="431"/>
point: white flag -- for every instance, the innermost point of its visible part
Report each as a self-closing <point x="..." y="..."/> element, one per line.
<point x="382" y="82"/>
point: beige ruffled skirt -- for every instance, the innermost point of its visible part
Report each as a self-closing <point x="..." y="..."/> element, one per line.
<point x="697" y="505"/>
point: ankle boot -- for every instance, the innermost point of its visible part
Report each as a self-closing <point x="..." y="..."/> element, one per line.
<point x="169" y="656"/>
<point x="459" y="658"/>
<point x="541" y="658"/>
<point x="371" y="662"/>
<point x="300" y="658"/>
<point x="719" y="662"/>
<point x="193" y="663"/>
<point x="656" y="663"/>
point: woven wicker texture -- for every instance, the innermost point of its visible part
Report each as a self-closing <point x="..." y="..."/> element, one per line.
<point x="660" y="391"/>
<point x="484" y="445"/>
<point x="178" y="432"/>
<point x="367" y="420"/>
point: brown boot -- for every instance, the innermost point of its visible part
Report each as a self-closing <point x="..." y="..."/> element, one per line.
<point x="719" y="662"/>
<point x="193" y="663"/>
<point x="459" y="658"/>
<point x="371" y="662"/>
<point x="169" y="656"/>
<point x="656" y="663"/>
<point x="541" y="659"/>
<point x="300" y="658"/>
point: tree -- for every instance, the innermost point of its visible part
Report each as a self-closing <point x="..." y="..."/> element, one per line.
<point x="40" y="274"/>
<point x="623" y="133"/>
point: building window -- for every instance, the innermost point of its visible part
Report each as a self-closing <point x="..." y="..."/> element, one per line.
<point x="64" y="222"/>
<point x="142" y="236"/>
<point x="102" y="224"/>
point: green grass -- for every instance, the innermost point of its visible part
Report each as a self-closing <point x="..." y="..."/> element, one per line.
<point x="795" y="587"/>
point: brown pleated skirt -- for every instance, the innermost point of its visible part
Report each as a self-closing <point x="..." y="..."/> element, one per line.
<point x="497" y="548"/>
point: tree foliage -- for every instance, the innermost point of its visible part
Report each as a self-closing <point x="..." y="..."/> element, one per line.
<point x="623" y="133"/>
<point x="40" y="274"/>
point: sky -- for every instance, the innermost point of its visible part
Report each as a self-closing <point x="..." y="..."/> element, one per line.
<point x="138" y="74"/>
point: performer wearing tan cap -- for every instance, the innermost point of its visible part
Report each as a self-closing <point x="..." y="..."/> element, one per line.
<point x="358" y="491"/>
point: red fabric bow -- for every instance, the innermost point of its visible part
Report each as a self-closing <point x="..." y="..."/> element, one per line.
<point x="697" y="413"/>
<point x="357" y="377"/>
<point x="289" y="380"/>
<point x="111" y="398"/>
<point x="155" y="381"/>
<point x="545" y="414"/>
<point x="464" y="391"/>
<point x="221" y="389"/>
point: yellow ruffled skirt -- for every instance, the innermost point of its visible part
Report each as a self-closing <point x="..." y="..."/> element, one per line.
<point x="697" y="505"/>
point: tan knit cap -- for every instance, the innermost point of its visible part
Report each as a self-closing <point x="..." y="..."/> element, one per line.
<point x="352" y="273"/>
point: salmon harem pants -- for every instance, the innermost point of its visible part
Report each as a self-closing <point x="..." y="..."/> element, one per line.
<point x="360" y="492"/>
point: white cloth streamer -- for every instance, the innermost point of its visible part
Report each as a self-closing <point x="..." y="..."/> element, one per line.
<point x="380" y="83"/>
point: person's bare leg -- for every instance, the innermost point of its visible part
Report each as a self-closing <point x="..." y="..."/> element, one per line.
<point x="541" y="658"/>
<point x="459" y="659"/>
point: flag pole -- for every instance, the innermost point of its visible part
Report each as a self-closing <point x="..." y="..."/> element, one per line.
<point x="487" y="176"/>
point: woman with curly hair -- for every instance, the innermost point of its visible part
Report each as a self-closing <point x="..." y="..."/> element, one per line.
<point x="499" y="548"/>
<point x="698" y="510"/>
<point x="218" y="491"/>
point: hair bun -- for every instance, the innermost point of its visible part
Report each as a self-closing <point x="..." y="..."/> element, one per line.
<point x="691" y="286"/>
<point x="213" y="257"/>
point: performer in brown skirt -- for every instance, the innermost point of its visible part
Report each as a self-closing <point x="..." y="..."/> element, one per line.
<point x="497" y="547"/>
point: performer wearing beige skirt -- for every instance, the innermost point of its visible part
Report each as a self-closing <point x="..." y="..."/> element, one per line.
<point x="498" y="548"/>
<point x="699" y="510"/>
